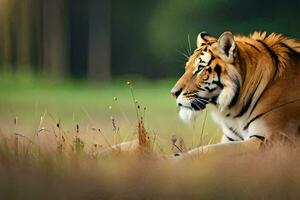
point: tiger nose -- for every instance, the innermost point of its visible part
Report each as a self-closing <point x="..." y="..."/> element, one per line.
<point x="176" y="91"/>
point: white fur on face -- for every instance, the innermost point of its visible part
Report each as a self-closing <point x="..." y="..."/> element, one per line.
<point x="187" y="115"/>
<point x="229" y="90"/>
<point x="225" y="98"/>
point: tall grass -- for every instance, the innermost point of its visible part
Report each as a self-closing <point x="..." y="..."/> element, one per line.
<point x="59" y="161"/>
<point x="60" y="164"/>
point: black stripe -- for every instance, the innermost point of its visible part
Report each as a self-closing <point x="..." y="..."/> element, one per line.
<point x="237" y="92"/>
<point x="218" y="70"/>
<point x="199" y="68"/>
<point x="258" y="116"/>
<point x="203" y="98"/>
<point x="209" y="70"/>
<point x="267" y="35"/>
<point x="213" y="100"/>
<point x="209" y="62"/>
<point x="218" y="83"/>
<point x="292" y="52"/>
<point x="177" y="93"/>
<point x="262" y="138"/>
<point x="255" y="118"/>
<point x="202" y="102"/>
<point x="270" y="51"/>
<point x="273" y="55"/>
<point x="254" y="106"/>
<point x="210" y="90"/>
<point x="190" y="93"/>
<point x="252" y="46"/>
<point x="229" y="138"/>
<point x="245" y="107"/>
<point x="203" y="34"/>
<point x="196" y="105"/>
<point x="235" y="133"/>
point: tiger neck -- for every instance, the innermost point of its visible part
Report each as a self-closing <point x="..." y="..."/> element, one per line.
<point x="253" y="78"/>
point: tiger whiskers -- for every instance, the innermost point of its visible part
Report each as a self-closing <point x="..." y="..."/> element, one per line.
<point x="182" y="53"/>
<point x="189" y="50"/>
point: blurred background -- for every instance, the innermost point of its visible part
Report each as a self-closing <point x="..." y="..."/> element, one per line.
<point x="69" y="58"/>
<point x="102" y="39"/>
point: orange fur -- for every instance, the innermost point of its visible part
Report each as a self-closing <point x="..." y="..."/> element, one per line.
<point x="258" y="73"/>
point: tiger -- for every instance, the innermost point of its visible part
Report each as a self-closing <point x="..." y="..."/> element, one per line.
<point x="252" y="84"/>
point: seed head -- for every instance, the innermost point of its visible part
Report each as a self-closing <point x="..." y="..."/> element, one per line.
<point x="15" y="120"/>
<point x="77" y="128"/>
<point x="174" y="138"/>
<point x="113" y="122"/>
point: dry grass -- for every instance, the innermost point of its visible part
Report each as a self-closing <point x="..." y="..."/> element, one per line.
<point x="64" y="166"/>
<point x="60" y="164"/>
<point x="68" y="163"/>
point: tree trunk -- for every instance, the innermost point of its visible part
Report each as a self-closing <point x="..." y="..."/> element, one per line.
<point x="99" y="40"/>
<point x="54" y="38"/>
<point x="6" y="17"/>
<point x="23" y="29"/>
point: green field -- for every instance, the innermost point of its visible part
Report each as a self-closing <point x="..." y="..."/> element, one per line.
<point x="66" y="161"/>
<point x="93" y="105"/>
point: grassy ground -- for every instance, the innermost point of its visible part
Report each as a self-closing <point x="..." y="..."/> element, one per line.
<point x="67" y="169"/>
<point x="93" y="105"/>
<point x="52" y="134"/>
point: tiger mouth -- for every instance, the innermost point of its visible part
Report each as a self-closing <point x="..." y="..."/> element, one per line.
<point x="183" y="106"/>
<point x="197" y="104"/>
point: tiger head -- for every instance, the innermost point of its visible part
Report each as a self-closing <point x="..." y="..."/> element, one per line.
<point x="210" y="76"/>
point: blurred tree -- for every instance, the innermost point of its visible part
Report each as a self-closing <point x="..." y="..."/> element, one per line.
<point x="78" y="20"/>
<point x="95" y="39"/>
<point x="37" y="36"/>
<point x="173" y="20"/>
<point x="55" y="51"/>
<point x="6" y="18"/>
<point x="22" y="29"/>
<point x="130" y="50"/>
<point x="99" y="40"/>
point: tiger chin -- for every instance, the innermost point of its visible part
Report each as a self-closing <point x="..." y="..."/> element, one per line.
<point x="253" y="85"/>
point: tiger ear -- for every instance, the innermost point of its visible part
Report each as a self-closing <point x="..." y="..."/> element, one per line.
<point x="227" y="47"/>
<point x="204" y="37"/>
